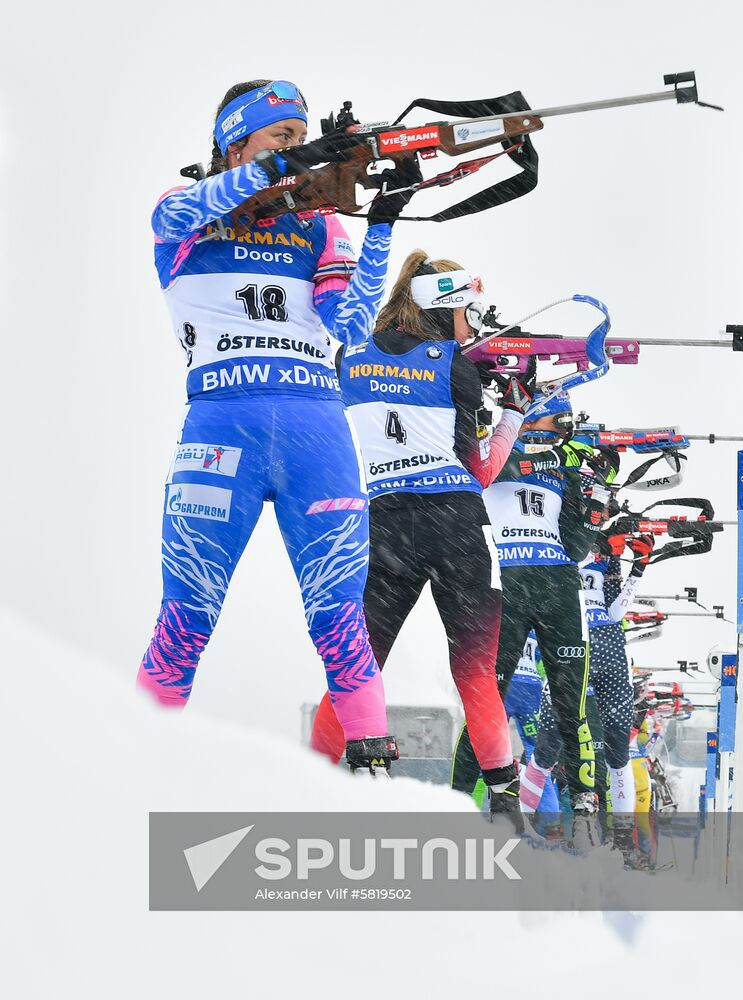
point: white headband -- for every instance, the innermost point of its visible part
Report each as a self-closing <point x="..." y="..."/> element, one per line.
<point x="445" y="290"/>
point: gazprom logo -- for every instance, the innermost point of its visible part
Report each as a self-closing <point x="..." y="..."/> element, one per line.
<point x="445" y="284"/>
<point x="196" y="500"/>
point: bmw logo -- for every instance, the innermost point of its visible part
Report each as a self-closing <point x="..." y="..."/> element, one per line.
<point x="434" y="353"/>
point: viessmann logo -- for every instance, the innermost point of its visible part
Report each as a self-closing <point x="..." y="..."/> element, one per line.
<point x="412" y="138"/>
<point x="505" y="345"/>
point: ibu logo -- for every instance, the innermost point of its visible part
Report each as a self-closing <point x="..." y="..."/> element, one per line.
<point x="445" y="285"/>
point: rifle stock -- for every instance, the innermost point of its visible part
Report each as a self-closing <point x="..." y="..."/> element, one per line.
<point x="333" y="186"/>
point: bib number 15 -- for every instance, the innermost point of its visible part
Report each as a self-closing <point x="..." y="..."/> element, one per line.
<point x="531" y="502"/>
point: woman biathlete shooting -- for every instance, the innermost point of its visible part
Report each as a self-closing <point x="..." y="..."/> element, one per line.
<point x="253" y="317"/>
<point x="417" y="404"/>
<point x="542" y="529"/>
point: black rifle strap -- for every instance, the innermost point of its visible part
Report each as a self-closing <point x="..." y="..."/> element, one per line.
<point x="636" y="476"/>
<point x="525" y="157"/>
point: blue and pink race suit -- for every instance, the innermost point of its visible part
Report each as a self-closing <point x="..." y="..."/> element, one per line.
<point x="265" y="422"/>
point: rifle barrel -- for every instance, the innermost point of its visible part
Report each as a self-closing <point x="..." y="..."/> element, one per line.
<point x="712" y="437"/>
<point x="657" y="342"/>
<point x="572" y="109"/>
<point x="663" y="597"/>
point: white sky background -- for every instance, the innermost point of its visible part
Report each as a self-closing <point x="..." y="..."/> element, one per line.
<point x="101" y="105"/>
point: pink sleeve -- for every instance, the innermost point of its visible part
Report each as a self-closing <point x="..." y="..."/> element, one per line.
<point x="492" y="459"/>
<point x="336" y="262"/>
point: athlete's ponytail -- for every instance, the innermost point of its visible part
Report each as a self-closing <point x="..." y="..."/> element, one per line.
<point x="401" y="312"/>
<point x="219" y="162"/>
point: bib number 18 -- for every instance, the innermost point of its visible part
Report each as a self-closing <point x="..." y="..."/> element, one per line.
<point x="270" y="305"/>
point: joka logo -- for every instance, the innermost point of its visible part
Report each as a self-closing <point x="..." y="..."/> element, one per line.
<point x="571" y="651"/>
<point x="434" y="353"/>
<point x="445" y="285"/>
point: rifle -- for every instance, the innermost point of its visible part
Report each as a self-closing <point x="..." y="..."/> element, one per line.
<point x="690" y="594"/>
<point x="505" y="121"/>
<point x="667" y="441"/>
<point x="509" y="349"/>
<point x="650" y="619"/>
<point x="688" y="536"/>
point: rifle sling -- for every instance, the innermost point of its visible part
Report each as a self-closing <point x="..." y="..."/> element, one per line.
<point x="525" y="157"/>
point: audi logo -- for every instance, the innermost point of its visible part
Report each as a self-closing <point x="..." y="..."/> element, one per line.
<point x="571" y="651"/>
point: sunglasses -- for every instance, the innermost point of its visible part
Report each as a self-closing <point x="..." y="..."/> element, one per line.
<point x="282" y="90"/>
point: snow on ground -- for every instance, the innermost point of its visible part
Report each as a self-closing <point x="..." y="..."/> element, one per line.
<point x="87" y="758"/>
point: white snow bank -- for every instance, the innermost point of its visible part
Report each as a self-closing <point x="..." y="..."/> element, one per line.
<point x="86" y="758"/>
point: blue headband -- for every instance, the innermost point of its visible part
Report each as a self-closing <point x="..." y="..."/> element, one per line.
<point x="256" y="109"/>
<point x="558" y="404"/>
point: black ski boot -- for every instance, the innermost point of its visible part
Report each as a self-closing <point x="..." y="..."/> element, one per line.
<point x="503" y="793"/>
<point x="372" y="753"/>
<point x="623" y="838"/>
<point x="586" y="832"/>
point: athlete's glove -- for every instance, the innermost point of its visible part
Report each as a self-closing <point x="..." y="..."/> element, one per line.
<point x="612" y="544"/>
<point x="332" y="148"/>
<point x="604" y="464"/>
<point x="387" y="208"/>
<point x="516" y="393"/>
<point x="571" y="454"/>
<point x="642" y="546"/>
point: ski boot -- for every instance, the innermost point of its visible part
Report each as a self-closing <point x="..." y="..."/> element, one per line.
<point x="372" y="753"/>
<point x="503" y="794"/>
<point x="623" y="839"/>
<point x="586" y="833"/>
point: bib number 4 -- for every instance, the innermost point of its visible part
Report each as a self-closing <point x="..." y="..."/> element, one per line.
<point x="394" y="429"/>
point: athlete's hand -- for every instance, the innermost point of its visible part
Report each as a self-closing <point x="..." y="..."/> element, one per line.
<point x="604" y="463"/>
<point x="642" y="546"/>
<point x="332" y="148"/>
<point x="516" y="393"/>
<point x="388" y="207"/>
<point x="612" y="545"/>
<point x="569" y="454"/>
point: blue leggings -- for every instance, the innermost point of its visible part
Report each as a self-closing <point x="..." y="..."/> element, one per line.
<point x="299" y="454"/>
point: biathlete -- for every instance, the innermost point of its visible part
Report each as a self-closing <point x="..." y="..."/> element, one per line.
<point x="254" y="318"/>
<point x="542" y="529"/>
<point x="417" y="404"/>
